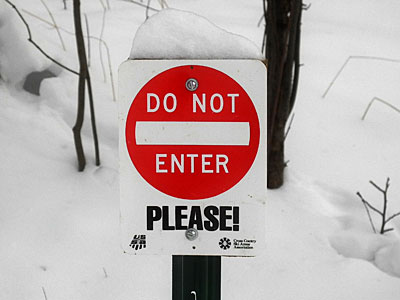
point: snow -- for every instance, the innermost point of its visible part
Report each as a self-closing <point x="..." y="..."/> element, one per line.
<point x="387" y="258"/>
<point x="381" y="250"/>
<point x="59" y="229"/>
<point x="16" y="60"/>
<point x="175" y="34"/>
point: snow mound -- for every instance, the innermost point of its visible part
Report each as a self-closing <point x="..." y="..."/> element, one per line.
<point x="358" y="244"/>
<point x="382" y="250"/>
<point x="388" y="259"/>
<point x="175" y="34"/>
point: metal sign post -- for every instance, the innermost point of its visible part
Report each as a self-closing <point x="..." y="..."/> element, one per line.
<point x="193" y="165"/>
<point x="196" y="277"/>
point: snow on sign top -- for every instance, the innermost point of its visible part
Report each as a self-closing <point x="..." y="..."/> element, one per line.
<point x="175" y="34"/>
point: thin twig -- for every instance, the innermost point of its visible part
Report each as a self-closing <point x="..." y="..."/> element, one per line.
<point x="44" y="293"/>
<point x="102" y="4"/>
<point x="289" y="127"/>
<point x="111" y="72"/>
<point x="369" y="205"/>
<point x="379" y="100"/>
<point x="259" y="21"/>
<point x="356" y="57"/>
<point x="109" y="64"/>
<point x="369" y="216"/>
<point x="34" y="43"/>
<point x="37" y="17"/>
<point x="385" y="201"/>
<point x="393" y="216"/>
<point x="101" y="37"/>
<point x="376" y="186"/>
<point x="141" y="4"/>
<point x="147" y="9"/>
<point x="93" y="119"/>
<point x="105" y="273"/>
<point x="163" y="4"/>
<point x="296" y="62"/>
<point x="88" y="37"/>
<point x="55" y="24"/>
<point x="264" y="43"/>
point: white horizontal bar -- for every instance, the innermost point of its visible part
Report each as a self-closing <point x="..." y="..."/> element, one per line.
<point x="192" y="133"/>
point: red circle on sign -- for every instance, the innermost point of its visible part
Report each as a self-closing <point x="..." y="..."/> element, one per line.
<point x="192" y="144"/>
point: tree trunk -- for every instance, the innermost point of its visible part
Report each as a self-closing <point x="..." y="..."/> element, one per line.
<point x="84" y="77"/>
<point x="81" y="86"/>
<point x="282" y="54"/>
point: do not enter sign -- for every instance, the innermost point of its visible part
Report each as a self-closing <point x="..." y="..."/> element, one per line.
<point x="192" y="132"/>
<point x="192" y="156"/>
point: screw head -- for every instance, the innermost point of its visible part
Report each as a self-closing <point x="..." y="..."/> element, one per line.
<point x="191" y="234"/>
<point x="192" y="84"/>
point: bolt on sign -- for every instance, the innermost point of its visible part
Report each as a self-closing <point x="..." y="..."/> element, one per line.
<point x="192" y="156"/>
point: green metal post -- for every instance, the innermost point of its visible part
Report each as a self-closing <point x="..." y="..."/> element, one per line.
<point x="196" y="277"/>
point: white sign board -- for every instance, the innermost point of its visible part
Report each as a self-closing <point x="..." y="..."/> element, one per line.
<point x="192" y="156"/>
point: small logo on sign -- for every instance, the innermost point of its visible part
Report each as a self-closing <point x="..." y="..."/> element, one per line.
<point x="244" y="244"/>
<point x="138" y="242"/>
<point x="225" y="243"/>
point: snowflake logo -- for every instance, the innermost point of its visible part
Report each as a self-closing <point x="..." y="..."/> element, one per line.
<point x="225" y="243"/>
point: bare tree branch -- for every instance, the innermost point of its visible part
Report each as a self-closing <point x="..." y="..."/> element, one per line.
<point x="35" y="44"/>
<point x="368" y="204"/>
<point x="377" y="187"/>
<point x="369" y="215"/>
<point x="385" y="201"/>
<point x="89" y="37"/>
<point x="392" y="217"/>
<point x="385" y="220"/>
<point x="55" y="24"/>
<point x="388" y="230"/>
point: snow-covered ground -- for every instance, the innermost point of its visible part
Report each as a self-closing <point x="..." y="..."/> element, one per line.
<point x="59" y="229"/>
